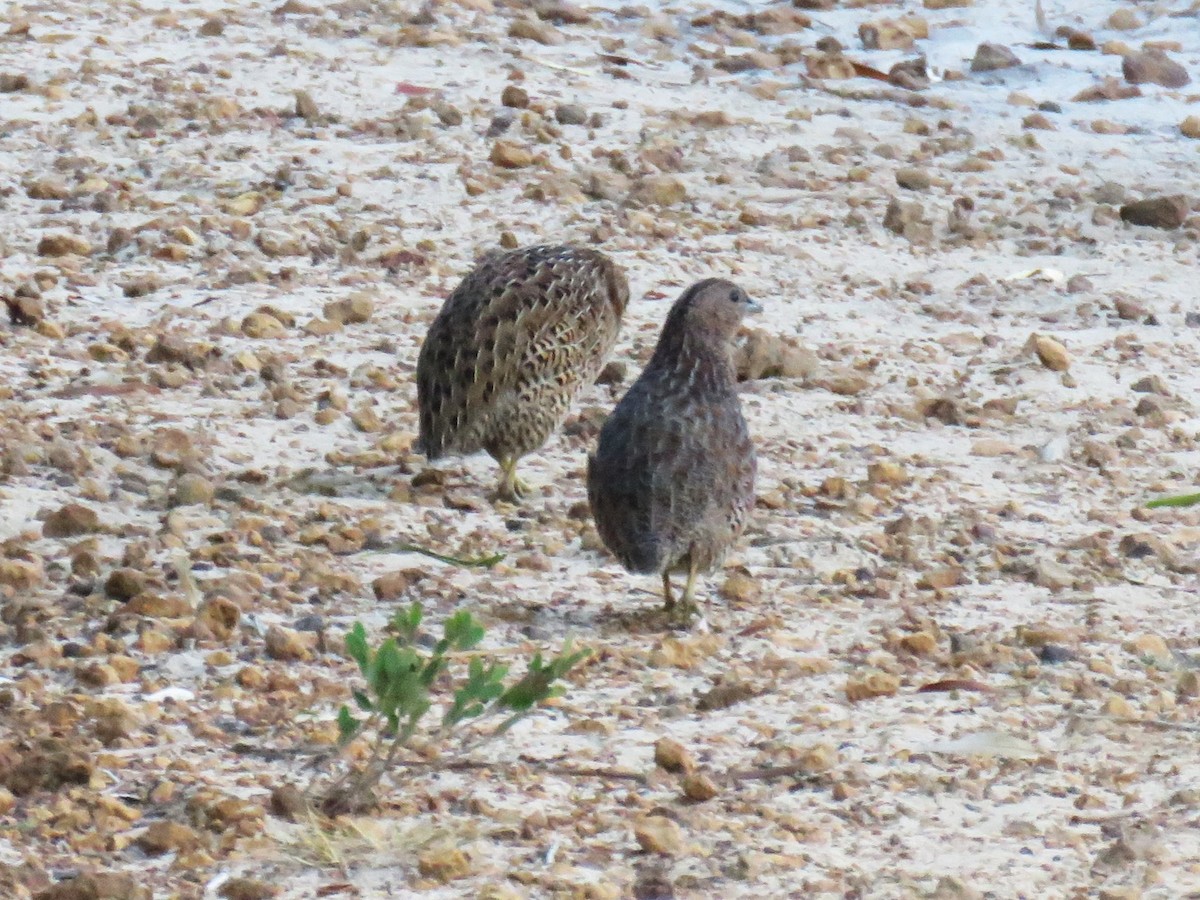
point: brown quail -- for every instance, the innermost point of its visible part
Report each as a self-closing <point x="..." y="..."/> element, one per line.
<point x="672" y="481"/>
<point x="514" y="343"/>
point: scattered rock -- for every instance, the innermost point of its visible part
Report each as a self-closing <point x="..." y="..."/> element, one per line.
<point x="444" y="864"/>
<point x="886" y="472"/>
<point x="660" y="835"/>
<point x="829" y="65"/>
<point x="1130" y="308"/>
<point x="24" y="311"/>
<point x="394" y="585"/>
<point x="570" y="114"/>
<point x="216" y="620"/>
<point x="306" y="107"/>
<point x="699" y="788"/>
<point x="1157" y="212"/>
<point x="100" y="886"/>
<point x="673" y="756"/>
<point x="949" y="887"/>
<point x="615" y="371"/>
<point x="1149" y="646"/>
<point x="124" y="584"/>
<point x="47" y="766"/>
<point x="510" y="155"/>
<point x="760" y="354"/>
<point x="1108" y="89"/>
<point x="353" y="310"/>
<point x="167" y="837"/>
<point x="1154" y="67"/>
<point x="192" y="489"/>
<point x="725" y="694"/>
<point x="514" y="97"/>
<point x="71" y="520"/>
<point x="262" y="326"/>
<point x="843" y="382"/>
<point x="1124" y="19"/>
<point x="288" y="644"/>
<point x="908" y="220"/>
<point x="63" y="245"/>
<point x="23" y="574"/>
<point x="288" y="802"/>
<point x="990" y="57"/>
<point x="535" y="30"/>
<point x="893" y="34"/>
<point x="1076" y="40"/>
<point x="659" y="190"/>
<point x="740" y="587"/>
<point x="912" y="178"/>
<point x="871" y="684"/>
<point x="1053" y="355"/>
<point x="1150" y="384"/>
<point x="248" y="889"/>
<point x="1048" y="573"/>
<point x="910" y="74"/>
<point x="173" y="449"/>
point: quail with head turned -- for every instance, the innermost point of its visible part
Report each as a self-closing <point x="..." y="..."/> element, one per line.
<point x="671" y="483"/>
<point x="510" y="349"/>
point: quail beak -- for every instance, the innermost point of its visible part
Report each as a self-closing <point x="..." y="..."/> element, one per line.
<point x="753" y="307"/>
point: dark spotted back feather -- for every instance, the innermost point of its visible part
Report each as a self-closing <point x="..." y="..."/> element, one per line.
<point x="512" y="346"/>
<point x="672" y="479"/>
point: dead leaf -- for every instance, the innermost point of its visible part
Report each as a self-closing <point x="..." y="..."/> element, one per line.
<point x="954" y="684"/>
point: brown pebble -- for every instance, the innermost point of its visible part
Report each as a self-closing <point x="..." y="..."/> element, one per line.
<point x="1157" y="212"/>
<point x="165" y="837"/>
<point x="660" y="835"/>
<point x="989" y="57"/>
<point x="71" y="520"/>
<point x="671" y="755"/>
<point x="515" y="97"/>
<point x="699" y="787"/>
<point x="1154" y="67"/>
<point x="63" y="245"/>
<point x="248" y="889"/>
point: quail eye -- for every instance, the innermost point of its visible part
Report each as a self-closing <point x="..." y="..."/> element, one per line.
<point x="736" y="296"/>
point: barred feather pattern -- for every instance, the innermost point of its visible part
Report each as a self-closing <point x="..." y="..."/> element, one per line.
<point x="513" y="345"/>
<point x="672" y="479"/>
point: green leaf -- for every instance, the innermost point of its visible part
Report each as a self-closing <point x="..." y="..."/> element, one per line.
<point x="537" y="685"/>
<point x="356" y="646"/>
<point x="363" y="701"/>
<point x="1181" y="500"/>
<point x="432" y="670"/>
<point x="462" y="632"/>
<point x="480" y="562"/>
<point x="417" y="710"/>
<point x="407" y="623"/>
<point x="347" y="725"/>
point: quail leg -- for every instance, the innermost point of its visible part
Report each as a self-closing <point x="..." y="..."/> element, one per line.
<point x="688" y="604"/>
<point x="511" y="487"/>
<point x="681" y="612"/>
<point x="668" y="596"/>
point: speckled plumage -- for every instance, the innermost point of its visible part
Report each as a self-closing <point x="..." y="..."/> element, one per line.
<point x="514" y="343"/>
<point x="671" y="484"/>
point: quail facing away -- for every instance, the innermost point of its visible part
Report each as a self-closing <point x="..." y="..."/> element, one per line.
<point x="514" y="343"/>
<point x="672" y="481"/>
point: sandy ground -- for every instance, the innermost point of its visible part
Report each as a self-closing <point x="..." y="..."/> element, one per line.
<point x="938" y="508"/>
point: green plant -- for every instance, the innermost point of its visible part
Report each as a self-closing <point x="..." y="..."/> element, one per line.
<point x="1181" y="500"/>
<point x="404" y="680"/>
